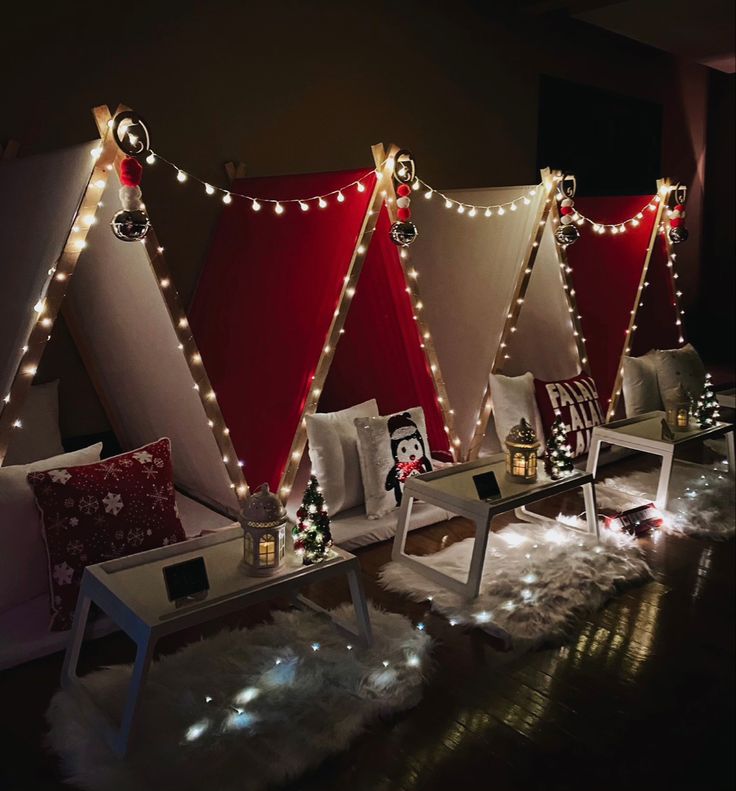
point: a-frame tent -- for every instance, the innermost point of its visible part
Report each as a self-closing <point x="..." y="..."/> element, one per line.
<point x="624" y="274"/>
<point x="58" y="253"/>
<point x="512" y="307"/>
<point x="303" y="304"/>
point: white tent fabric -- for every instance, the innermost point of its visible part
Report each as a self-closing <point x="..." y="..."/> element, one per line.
<point x="477" y="260"/>
<point x="116" y="312"/>
<point x="38" y="199"/>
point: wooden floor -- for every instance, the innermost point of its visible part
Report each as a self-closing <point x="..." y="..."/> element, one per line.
<point x="642" y="697"/>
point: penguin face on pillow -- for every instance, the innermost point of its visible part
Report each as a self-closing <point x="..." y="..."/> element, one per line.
<point x="409" y="449"/>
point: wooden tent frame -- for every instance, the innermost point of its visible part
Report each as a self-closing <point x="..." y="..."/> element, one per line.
<point x="383" y="193"/>
<point x="548" y="212"/>
<point x="52" y="299"/>
<point x="665" y="188"/>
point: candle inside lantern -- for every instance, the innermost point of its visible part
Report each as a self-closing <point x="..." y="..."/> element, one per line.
<point x="521" y="452"/>
<point x="677" y="408"/>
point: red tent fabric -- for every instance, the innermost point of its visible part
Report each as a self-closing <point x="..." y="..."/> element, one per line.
<point x="380" y="355"/>
<point x="264" y="305"/>
<point x="606" y="273"/>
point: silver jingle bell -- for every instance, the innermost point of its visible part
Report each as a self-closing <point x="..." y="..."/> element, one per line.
<point x="130" y="226"/>
<point x="567" y="234"/>
<point x="403" y="233"/>
<point x="678" y="234"/>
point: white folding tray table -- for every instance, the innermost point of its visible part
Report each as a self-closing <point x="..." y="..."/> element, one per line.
<point x="132" y="592"/>
<point x="453" y="489"/>
<point x="644" y="433"/>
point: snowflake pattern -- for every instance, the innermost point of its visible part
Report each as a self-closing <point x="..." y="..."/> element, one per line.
<point x="63" y="573"/>
<point x="109" y="470"/>
<point x="89" y="504"/>
<point x="113" y="503"/>
<point x="135" y="536"/>
<point x="101" y="511"/>
<point x="159" y="496"/>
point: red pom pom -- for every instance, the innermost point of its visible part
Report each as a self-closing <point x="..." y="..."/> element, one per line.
<point x="680" y="207"/>
<point x="676" y="222"/>
<point x="567" y="210"/>
<point x="403" y="214"/>
<point x="402" y="190"/>
<point x="131" y="172"/>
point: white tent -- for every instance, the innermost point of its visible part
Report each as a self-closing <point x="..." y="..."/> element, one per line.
<point x="512" y="307"/>
<point x="58" y="252"/>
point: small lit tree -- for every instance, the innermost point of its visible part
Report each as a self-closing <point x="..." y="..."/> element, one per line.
<point x="705" y="406"/>
<point x="312" y="537"/>
<point x="558" y="454"/>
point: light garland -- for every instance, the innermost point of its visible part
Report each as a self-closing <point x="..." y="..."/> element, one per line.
<point x="475" y="209"/>
<point x="279" y="205"/>
<point x="621" y="227"/>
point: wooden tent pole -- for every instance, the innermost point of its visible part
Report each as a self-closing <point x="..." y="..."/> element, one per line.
<point x="425" y="337"/>
<point x="46" y="309"/>
<point x="336" y="328"/>
<point x="662" y="187"/>
<point x="549" y="180"/>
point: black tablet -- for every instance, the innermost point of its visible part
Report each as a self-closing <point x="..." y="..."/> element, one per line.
<point x="487" y="486"/>
<point x="185" y="579"/>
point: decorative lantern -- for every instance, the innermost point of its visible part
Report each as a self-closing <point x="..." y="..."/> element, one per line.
<point x="263" y="520"/>
<point x="521" y="453"/>
<point x="677" y="408"/>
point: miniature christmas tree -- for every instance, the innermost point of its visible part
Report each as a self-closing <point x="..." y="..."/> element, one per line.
<point x="558" y="453"/>
<point x="312" y="537"/>
<point x="705" y="406"/>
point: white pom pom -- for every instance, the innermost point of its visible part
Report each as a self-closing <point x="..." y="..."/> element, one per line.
<point x="130" y="197"/>
<point x="674" y="214"/>
<point x="567" y="202"/>
<point x="566" y="219"/>
<point x="403" y="203"/>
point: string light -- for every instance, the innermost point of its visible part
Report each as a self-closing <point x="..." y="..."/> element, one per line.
<point x="620" y="226"/>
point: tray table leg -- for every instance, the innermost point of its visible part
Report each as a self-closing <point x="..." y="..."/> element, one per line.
<point x="357" y="594"/>
<point x="119" y="740"/>
<point x="477" y="559"/>
<point x="591" y="510"/>
<point x="664" y="480"/>
<point x="79" y="626"/>
<point x="402" y="527"/>
<point x="730" y="454"/>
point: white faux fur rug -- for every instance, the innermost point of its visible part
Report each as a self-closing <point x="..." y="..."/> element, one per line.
<point x="701" y="498"/>
<point x="537" y="581"/>
<point x="245" y="709"/>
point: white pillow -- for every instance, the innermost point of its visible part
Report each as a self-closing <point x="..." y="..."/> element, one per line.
<point x="23" y="558"/>
<point x="677" y="367"/>
<point x="39" y="436"/>
<point x="641" y="391"/>
<point x="513" y="398"/>
<point x="333" y="453"/>
<point x="391" y="449"/>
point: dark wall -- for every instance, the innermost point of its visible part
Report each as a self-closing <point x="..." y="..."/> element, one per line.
<point x="713" y="320"/>
<point x="291" y="86"/>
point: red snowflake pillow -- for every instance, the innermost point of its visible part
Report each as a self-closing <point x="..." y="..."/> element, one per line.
<point x="576" y="402"/>
<point x="109" y="509"/>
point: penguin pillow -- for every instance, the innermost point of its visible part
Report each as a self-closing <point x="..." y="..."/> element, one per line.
<point x="392" y="449"/>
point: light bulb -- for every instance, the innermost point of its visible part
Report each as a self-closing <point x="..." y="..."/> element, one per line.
<point x="361" y="186"/>
<point x="340" y="197"/>
<point x="209" y="189"/>
<point x="255" y="205"/>
<point x="96" y="152"/>
<point x="278" y="208"/>
<point x="513" y="207"/>
<point x="181" y="176"/>
<point x="303" y="206"/>
<point x="227" y="198"/>
<point x="322" y="203"/>
<point x="461" y="209"/>
<point x="501" y="210"/>
<point x="448" y="203"/>
<point x="472" y="212"/>
<point x="150" y="159"/>
<point x="428" y="194"/>
<point x="487" y="212"/>
<point x="416" y="185"/>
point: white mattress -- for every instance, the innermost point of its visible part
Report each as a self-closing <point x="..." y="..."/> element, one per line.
<point x="24" y="630"/>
